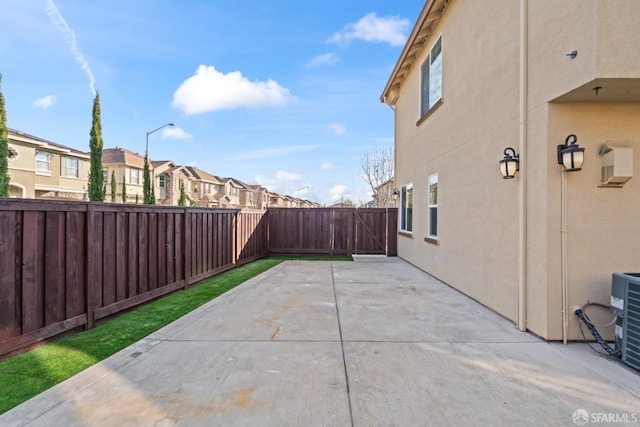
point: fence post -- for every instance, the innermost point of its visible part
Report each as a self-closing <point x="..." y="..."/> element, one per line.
<point x="186" y="248"/>
<point x="90" y="279"/>
<point x="236" y="236"/>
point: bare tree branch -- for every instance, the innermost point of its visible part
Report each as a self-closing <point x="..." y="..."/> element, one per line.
<point x="377" y="169"/>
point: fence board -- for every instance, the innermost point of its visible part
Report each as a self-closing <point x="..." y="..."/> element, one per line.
<point x="33" y="271"/>
<point x="9" y="296"/>
<point x="109" y="260"/>
<point x="75" y="265"/>
<point x="121" y="256"/>
<point x="55" y="307"/>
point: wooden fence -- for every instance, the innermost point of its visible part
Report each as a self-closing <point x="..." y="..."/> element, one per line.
<point x="337" y="231"/>
<point x="64" y="265"/>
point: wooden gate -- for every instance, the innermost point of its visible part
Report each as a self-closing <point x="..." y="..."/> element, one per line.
<point x="333" y="231"/>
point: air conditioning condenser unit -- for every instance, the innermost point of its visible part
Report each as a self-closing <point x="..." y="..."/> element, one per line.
<point x="625" y="304"/>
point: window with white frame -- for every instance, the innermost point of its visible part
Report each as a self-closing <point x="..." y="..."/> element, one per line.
<point x="431" y="78"/>
<point x="43" y="160"/>
<point x="432" y="206"/>
<point x="207" y="188"/>
<point x="162" y="181"/>
<point x="406" y="208"/>
<point x="134" y="176"/>
<point x="71" y="167"/>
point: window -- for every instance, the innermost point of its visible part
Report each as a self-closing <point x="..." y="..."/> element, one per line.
<point x="406" y="208"/>
<point x="432" y="202"/>
<point x="104" y="175"/>
<point x="195" y="187"/>
<point x="42" y="161"/>
<point x="135" y="176"/>
<point x="431" y="78"/>
<point x="207" y="188"/>
<point x="71" y="167"/>
<point x="162" y="181"/>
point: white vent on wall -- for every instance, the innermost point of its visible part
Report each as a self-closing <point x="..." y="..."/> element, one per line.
<point x="616" y="164"/>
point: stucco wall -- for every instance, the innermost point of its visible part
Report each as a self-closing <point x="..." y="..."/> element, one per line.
<point x="603" y="224"/>
<point x="463" y="140"/>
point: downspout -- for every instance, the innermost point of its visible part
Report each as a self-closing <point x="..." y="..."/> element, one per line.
<point x="563" y="252"/>
<point x="522" y="193"/>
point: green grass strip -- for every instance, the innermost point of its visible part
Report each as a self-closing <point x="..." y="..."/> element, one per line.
<point x="29" y="374"/>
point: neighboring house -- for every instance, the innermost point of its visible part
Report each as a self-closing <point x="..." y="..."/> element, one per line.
<point x="42" y="169"/>
<point x="254" y="197"/>
<point x="384" y="195"/>
<point x="478" y="77"/>
<point x="128" y="167"/>
<point x="205" y="188"/>
<point x="168" y="178"/>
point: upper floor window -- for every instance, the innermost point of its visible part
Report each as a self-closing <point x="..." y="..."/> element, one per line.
<point x="71" y="167"/>
<point x="207" y="188"/>
<point x="195" y="187"/>
<point x="135" y="176"/>
<point x="162" y="181"/>
<point x="431" y="78"/>
<point x="432" y="203"/>
<point x="406" y="208"/>
<point x="43" y="160"/>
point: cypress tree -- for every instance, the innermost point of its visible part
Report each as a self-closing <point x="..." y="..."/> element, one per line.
<point x="124" y="191"/>
<point x="114" y="186"/>
<point x="146" y="183"/>
<point x="183" y="196"/>
<point x="4" y="148"/>
<point x="97" y="186"/>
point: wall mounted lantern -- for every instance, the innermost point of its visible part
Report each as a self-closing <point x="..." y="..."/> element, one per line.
<point x="395" y="194"/>
<point x="570" y="154"/>
<point x="510" y="164"/>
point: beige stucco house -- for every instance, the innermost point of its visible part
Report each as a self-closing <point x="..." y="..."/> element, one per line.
<point x="128" y="167"/>
<point x="46" y="170"/>
<point x="478" y="77"/>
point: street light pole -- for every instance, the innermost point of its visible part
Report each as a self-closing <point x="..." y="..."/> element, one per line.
<point x="302" y="188"/>
<point x="147" y="189"/>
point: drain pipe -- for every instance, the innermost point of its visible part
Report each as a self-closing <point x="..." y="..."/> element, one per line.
<point x="522" y="193"/>
<point x="563" y="253"/>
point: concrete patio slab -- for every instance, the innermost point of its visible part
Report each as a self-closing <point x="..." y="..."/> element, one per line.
<point x="341" y="344"/>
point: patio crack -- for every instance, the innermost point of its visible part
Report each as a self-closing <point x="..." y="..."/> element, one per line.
<point x="344" y="360"/>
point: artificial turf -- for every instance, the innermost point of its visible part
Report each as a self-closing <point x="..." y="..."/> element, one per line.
<point x="28" y="374"/>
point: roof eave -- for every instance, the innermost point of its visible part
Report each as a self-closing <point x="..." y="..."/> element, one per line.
<point x="421" y="31"/>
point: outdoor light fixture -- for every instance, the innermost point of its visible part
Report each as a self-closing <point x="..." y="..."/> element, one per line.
<point x="570" y="154"/>
<point x="395" y="194"/>
<point x="510" y="164"/>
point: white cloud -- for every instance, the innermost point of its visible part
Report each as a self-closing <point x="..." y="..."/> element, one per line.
<point x="210" y="90"/>
<point x="338" y="191"/>
<point x="283" y="182"/>
<point x="327" y="166"/>
<point x="275" y="151"/>
<point x="45" y="101"/>
<point x="175" y="133"/>
<point x="70" y="38"/>
<point x="325" y="59"/>
<point x="372" y="28"/>
<point x="337" y="128"/>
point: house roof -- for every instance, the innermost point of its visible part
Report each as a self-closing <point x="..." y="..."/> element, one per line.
<point x="120" y="155"/>
<point x="429" y="17"/>
<point x="17" y="135"/>
<point x="204" y="176"/>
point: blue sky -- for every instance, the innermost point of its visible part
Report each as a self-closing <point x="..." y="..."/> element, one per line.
<point x="280" y="93"/>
